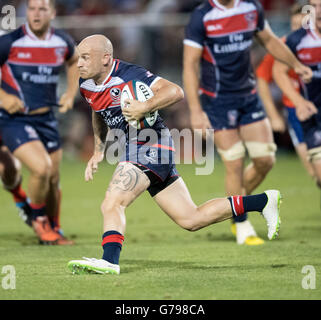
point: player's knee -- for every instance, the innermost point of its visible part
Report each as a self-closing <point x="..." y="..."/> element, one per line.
<point x="189" y="224"/>
<point x="111" y="205"/>
<point x="235" y="152"/>
<point x="264" y="165"/>
<point x="43" y="169"/>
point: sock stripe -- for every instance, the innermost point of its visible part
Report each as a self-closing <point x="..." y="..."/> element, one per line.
<point x="37" y="206"/>
<point x="237" y="204"/>
<point x="113" y="238"/>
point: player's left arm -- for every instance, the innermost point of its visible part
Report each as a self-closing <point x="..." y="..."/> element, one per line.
<point x="66" y="101"/>
<point x="165" y="92"/>
<point x="282" y="53"/>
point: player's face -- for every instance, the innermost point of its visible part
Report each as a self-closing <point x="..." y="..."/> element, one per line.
<point x="317" y="6"/>
<point x="89" y="62"/>
<point x="296" y="21"/>
<point x="39" y="15"/>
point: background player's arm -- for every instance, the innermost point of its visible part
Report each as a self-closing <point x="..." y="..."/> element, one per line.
<point x="165" y="92"/>
<point x="191" y="74"/>
<point x="100" y="133"/>
<point x="276" y="119"/>
<point x="282" y="53"/>
<point x="67" y="99"/>
<point x="304" y="108"/>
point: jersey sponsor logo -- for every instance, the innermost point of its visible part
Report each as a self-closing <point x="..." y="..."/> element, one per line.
<point x="232" y="47"/>
<point x="24" y="55"/>
<point x="214" y="27"/>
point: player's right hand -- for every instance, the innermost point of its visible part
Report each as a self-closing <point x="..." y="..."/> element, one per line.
<point x="278" y="124"/>
<point x="12" y="104"/>
<point x="305" y="109"/>
<point x="92" y="166"/>
<point x="199" y="120"/>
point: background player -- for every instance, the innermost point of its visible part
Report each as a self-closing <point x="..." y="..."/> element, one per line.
<point x="101" y="82"/>
<point x="264" y="78"/>
<point x="11" y="179"/>
<point x="305" y="43"/>
<point x="217" y="49"/>
<point x="31" y="58"/>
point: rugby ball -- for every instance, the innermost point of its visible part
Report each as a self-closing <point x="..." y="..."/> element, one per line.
<point x="138" y="90"/>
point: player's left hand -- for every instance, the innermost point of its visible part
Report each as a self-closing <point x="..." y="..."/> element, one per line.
<point x="66" y="102"/>
<point x="304" y="72"/>
<point x="134" y="110"/>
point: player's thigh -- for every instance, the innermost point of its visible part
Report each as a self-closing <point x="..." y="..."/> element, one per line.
<point x="176" y="202"/>
<point x="35" y="157"/>
<point x="225" y="139"/>
<point x="128" y="183"/>
<point x="259" y="131"/>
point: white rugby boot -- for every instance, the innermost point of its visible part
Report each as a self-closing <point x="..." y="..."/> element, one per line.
<point x="92" y="265"/>
<point x="271" y="213"/>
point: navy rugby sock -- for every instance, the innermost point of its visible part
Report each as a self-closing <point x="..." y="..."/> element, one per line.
<point x="243" y="204"/>
<point x="112" y="245"/>
<point x="37" y="210"/>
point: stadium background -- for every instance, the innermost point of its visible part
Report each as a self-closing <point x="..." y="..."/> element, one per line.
<point x="145" y="32"/>
<point x="160" y="260"/>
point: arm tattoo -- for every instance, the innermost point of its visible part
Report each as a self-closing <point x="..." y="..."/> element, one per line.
<point x="100" y="132"/>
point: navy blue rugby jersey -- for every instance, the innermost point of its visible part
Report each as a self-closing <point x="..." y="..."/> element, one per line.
<point x="306" y="45"/>
<point x="104" y="99"/>
<point x="225" y="36"/>
<point x="30" y="66"/>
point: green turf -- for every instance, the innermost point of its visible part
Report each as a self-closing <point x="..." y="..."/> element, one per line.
<point x="161" y="261"/>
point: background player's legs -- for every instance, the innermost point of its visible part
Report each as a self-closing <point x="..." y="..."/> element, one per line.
<point x="9" y="169"/>
<point x="54" y="193"/>
<point x="35" y="157"/>
<point x="317" y="171"/>
<point x="301" y="150"/>
<point x="226" y="141"/>
<point x="127" y="183"/>
<point x="257" y="170"/>
<point x="11" y="178"/>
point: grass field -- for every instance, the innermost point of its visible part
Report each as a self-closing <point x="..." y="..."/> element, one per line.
<point x="161" y="261"/>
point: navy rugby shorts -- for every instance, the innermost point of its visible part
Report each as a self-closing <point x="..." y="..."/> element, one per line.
<point x="156" y="159"/>
<point x="17" y="130"/>
<point x="230" y="112"/>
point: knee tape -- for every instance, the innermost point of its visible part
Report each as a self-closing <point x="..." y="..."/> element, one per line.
<point x="237" y="151"/>
<point x="260" y="149"/>
<point x="314" y="154"/>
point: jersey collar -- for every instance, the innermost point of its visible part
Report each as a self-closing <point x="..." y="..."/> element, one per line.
<point x="215" y="3"/>
<point x="108" y="77"/>
<point x="33" y="36"/>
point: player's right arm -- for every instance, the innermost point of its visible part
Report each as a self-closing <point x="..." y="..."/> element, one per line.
<point x="264" y="78"/>
<point x="195" y="36"/>
<point x="191" y="73"/>
<point x="100" y="133"/>
<point x="304" y="108"/>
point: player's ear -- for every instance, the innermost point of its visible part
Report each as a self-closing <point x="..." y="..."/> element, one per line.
<point x="107" y="60"/>
<point x="53" y="13"/>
